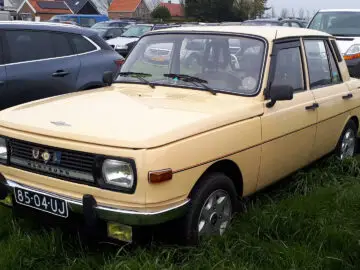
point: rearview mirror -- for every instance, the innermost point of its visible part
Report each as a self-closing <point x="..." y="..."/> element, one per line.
<point x="108" y="78"/>
<point x="280" y="92"/>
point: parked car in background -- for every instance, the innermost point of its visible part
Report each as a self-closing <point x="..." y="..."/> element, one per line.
<point x="344" y="24"/>
<point x="40" y="60"/>
<point x="109" y="32"/>
<point x="128" y="39"/>
<point x="84" y="20"/>
<point x="274" y="22"/>
<point x="173" y="143"/>
<point x="114" y="23"/>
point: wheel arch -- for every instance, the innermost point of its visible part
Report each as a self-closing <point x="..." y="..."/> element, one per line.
<point x="227" y="167"/>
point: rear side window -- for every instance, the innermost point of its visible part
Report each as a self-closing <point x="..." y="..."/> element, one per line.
<point x="336" y="50"/>
<point x="29" y="45"/>
<point x="61" y="44"/>
<point x="100" y="42"/>
<point x="81" y="44"/>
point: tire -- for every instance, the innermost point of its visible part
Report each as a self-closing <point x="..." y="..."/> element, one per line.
<point x="215" y="185"/>
<point x="347" y="145"/>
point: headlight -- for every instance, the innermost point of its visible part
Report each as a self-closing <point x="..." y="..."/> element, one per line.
<point x="118" y="173"/>
<point x="353" y="52"/>
<point x="121" y="47"/>
<point x="3" y="150"/>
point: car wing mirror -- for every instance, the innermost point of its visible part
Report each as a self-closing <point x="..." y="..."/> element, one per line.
<point x="280" y="92"/>
<point x="108" y="78"/>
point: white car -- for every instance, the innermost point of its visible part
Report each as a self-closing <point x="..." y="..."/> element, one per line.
<point x="344" y="24"/>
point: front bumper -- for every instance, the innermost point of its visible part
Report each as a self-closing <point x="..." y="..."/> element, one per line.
<point x="90" y="209"/>
<point x="354" y="67"/>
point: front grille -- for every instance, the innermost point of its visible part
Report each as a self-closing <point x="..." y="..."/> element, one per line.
<point x="47" y="160"/>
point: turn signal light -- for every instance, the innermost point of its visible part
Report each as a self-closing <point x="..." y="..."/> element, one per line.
<point x="160" y="176"/>
<point x="119" y="62"/>
<point x="352" y="56"/>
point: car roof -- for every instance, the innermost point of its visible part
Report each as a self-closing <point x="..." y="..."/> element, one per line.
<point x="46" y="26"/>
<point x="268" y="32"/>
<point x="340" y="10"/>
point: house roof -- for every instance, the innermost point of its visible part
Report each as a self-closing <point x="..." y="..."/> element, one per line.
<point x="77" y="5"/>
<point x="42" y="6"/>
<point x="176" y="10"/>
<point x="124" y="5"/>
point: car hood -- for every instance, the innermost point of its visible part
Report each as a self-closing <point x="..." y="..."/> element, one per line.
<point x="345" y="43"/>
<point x="130" y="115"/>
<point x="121" y="41"/>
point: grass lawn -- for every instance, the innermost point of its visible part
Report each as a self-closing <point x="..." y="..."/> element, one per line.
<point x="309" y="221"/>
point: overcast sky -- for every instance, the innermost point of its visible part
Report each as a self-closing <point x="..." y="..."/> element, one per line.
<point x="313" y="4"/>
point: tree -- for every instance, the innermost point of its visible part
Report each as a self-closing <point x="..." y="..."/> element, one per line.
<point x="210" y="10"/>
<point x="161" y="12"/>
<point x="293" y="13"/>
<point x="284" y="13"/>
<point x="273" y="12"/>
<point x="301" y="13"/>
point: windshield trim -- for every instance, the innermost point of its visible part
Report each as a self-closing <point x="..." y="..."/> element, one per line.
<point x="215" y="33"/>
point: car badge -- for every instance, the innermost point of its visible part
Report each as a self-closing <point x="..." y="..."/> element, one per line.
<point x="60" y="123"/>
<point x="46" y="156"/>
<point x="35" y="153"/>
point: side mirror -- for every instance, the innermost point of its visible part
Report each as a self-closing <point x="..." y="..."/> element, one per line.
<point x="108" y="78"/>
<point x="280" y="92"/>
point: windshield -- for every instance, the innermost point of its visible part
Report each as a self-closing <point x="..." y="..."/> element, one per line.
<point x="136" y="31"/>
<point x="101" y="31"/>
<point x="227" y="63"/>
<point x="337" y="23"/>
<point x="266" y="23"/>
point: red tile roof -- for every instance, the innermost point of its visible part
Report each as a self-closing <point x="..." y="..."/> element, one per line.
<point x="53" y="7"/>
<point x="124" y="5"/>
<point x="176" y="10"/>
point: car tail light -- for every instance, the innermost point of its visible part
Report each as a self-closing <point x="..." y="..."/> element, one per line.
<point x="119" y="62"/>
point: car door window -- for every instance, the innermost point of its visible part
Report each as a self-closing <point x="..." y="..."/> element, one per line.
<point x="29" y="45"/>
<point x="288" y="69"/>
<point x="335" y="74"/>
<point x="87" y="22"/>
<point x="318" y="63"/>
<point x="81" y="44"/>
<point x="61" y="44"/>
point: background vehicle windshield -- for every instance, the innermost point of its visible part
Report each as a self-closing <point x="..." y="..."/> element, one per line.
<point x="136" y="31"/>
<point x="226" y="63"/>
<point x="337" y="23"/>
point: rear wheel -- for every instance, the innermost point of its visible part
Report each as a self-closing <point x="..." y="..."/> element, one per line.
<point x="213" y="202"/>
<point x="347" y="144"/>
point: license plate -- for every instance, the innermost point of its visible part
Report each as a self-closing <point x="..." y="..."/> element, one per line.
<point x="41" y="202"/>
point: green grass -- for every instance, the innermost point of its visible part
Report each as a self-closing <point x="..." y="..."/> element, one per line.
<point x="309" y="221"/>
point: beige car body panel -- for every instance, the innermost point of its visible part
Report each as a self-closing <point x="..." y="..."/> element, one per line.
<point x="186" y="130"/>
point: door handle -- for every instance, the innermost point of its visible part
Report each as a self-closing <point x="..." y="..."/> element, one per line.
<point x="60" y="73"/>
<point x="348" y="96"/>
<point x="312" y="107"/>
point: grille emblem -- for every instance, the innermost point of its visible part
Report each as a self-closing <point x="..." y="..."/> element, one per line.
<point x="46" y="156"/>
<point x="35" y="153"/>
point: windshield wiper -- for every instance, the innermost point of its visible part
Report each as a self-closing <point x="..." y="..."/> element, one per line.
<point x="191" y="79"/>
<point x="138" y="75"/>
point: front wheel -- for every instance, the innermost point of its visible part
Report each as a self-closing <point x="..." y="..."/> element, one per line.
<point x="347" y="144"/>
<point x="213" y="203"/>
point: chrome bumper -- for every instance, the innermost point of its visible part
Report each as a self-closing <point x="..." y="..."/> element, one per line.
<point x="127" y="217"/>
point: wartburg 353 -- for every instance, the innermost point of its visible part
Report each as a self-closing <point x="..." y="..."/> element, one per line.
<point x="172" y="141"/>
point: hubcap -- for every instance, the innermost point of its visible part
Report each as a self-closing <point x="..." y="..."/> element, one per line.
<point x="348" y="144"/>
<point x="215" y="214"/>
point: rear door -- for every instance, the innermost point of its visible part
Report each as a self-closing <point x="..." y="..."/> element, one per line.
<point x="2" y="76"/>
<point x="33" y="66"/>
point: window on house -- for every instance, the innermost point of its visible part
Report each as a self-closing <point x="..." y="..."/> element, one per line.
<point x="29" y="45"/>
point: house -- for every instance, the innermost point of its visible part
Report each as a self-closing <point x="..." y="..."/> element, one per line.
<point x="42" y="10"/>
<point x="176" y="10"/>
<point x="12" y="6"/>
<point x="82" y="6"/>
<point x="129" y="9"/>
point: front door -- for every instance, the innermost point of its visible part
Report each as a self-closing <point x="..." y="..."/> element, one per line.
<point x="330" y="92"/>
<point x="288" y="127"/>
